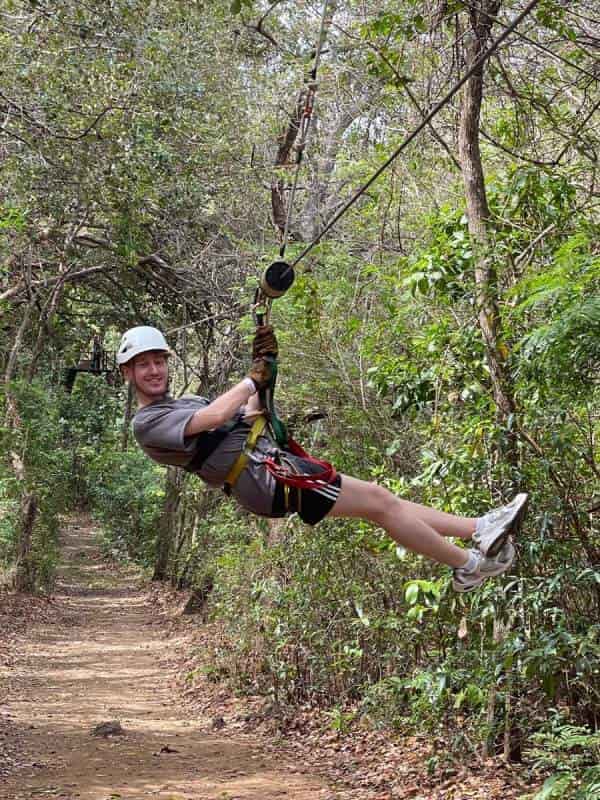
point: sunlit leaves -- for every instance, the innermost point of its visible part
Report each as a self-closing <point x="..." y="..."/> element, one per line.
<point x="12" y="218"/>
<point x="568" y="293"/>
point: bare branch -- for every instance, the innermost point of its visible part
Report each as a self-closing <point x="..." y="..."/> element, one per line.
<point x="73" y="277"/>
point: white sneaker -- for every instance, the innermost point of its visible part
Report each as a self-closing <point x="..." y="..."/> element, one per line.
<point x="494" y="528"/>
<point x="487" y="567"/>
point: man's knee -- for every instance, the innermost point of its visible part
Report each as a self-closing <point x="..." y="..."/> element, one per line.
<point x="381" y="501"/>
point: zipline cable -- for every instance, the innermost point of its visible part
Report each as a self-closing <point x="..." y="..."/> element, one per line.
<point x="304" y="124"/>
<point x="426" y="120"/>
<point x="535" y="44"/>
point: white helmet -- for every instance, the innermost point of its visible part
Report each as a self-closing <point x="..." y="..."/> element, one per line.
<point x="140" y="340"/>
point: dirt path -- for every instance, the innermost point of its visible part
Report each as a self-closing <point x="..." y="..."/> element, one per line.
<point x="102" y="657"/>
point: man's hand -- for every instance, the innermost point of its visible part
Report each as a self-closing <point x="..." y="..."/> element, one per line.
<point x="264" y="342"/>
<point x="261" y="373"/>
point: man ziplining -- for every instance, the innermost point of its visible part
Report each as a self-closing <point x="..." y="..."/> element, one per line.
<point x="223" y="442"/>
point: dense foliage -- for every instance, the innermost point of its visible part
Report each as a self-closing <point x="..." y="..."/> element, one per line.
<point x="138" y="144"/>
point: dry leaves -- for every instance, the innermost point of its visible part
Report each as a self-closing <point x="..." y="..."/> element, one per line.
<point x="363" y="764"/>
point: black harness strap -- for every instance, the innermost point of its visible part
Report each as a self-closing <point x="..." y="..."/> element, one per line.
<point x="207" y="442"/>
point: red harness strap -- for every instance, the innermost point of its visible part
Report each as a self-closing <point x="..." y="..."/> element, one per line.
<point x="285" y="474"/>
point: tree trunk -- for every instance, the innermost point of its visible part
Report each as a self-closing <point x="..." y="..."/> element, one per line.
<point x="44" y="330"/>
<point x="282" y="159"/>
<point x="127" y="418"/>
<point x="24" y="577"/>
<point x="478" y="211"/>
<point x="166" y="525"/>
<point x="289" y="141"/>
<point x="323" y="197"/>
<point x="489" y="744"/>
<point x="486" y="289"/>
<point x="11" y="366"/>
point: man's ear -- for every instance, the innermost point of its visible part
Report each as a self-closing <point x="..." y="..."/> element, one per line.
<point x="126" y="372"/>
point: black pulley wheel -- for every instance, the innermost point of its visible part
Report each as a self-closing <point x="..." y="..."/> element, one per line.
<point x="277" y="279"/>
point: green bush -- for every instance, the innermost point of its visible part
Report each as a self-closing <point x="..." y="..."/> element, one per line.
<point x="573" y="753"/>
<point x="37" y="442"/>
<point x="125" y="491"/>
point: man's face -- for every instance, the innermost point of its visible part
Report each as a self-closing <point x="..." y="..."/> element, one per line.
<point x="149" y="373"/>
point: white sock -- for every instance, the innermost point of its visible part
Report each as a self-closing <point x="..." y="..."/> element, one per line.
<point x="472" y="561"/>
<point x="478" y="524"/>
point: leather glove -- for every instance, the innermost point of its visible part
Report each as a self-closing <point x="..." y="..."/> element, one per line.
<point x="264" y="342"/>
<point x="261" y="373"/>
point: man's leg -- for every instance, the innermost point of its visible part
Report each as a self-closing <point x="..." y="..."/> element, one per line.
<point x="445" y="524"/>
<point x="411" y="525"/>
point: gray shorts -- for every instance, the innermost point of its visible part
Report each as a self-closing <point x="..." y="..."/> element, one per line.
<point x="256" y="490"/>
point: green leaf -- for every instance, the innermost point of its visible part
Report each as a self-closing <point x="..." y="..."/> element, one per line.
<point x="554" y="787"/>
<point x="411" y="594"/>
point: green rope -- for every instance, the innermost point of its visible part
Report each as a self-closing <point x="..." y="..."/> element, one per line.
<point x="278" y="427"/>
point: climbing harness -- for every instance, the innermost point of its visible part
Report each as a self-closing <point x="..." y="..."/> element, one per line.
<point x="282" y="468"/>
<point x="241" y="462"/>
<point x="285" y="473"/>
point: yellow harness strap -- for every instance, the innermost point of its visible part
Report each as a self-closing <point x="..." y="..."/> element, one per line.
<point x="242" y="460"/>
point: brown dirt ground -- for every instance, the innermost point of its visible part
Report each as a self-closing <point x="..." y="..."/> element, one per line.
<point x="106" y="646"/>
<point x="98" y="651"/>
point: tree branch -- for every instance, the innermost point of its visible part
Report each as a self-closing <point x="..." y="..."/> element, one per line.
<point x="72" y="277"/>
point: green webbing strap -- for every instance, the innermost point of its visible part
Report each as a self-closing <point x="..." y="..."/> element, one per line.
<point x="262" y="308"/>
<point x="278" y="428"/>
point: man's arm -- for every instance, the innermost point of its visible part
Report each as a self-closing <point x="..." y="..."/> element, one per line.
<point x="222" y="409"/>
<point x="253" y="407"/>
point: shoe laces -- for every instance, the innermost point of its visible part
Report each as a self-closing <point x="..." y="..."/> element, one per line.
<point x="494" y="515"/>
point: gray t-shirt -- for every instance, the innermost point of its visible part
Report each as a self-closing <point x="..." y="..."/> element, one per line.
<point x="159" y="430"/>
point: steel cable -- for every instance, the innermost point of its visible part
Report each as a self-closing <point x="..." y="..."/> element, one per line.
<point x="416" y="131"/>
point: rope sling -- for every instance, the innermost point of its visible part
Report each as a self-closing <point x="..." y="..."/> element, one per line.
<point x="275" y="282"/>
<point x="278" y="278"/>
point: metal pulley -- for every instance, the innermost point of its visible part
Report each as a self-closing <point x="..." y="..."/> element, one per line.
<point x="274" y="282"/>
<point x="277" y="279"/>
